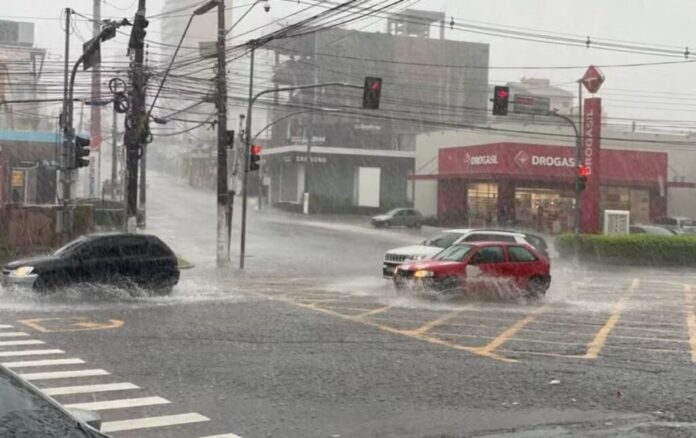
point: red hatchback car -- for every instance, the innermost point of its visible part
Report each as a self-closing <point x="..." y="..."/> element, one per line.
<point x="479" y="266"/>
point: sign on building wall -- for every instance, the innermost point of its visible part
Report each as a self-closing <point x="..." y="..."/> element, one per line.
<point x="589" y="155"/>
<point x="616" y="221"/>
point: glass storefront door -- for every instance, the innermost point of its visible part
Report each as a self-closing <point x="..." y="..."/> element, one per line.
<point x="545" y="210"/>
<point x="637" y="201"/>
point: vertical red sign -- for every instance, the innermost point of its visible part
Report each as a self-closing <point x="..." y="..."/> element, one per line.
<point x="589" y="155"/>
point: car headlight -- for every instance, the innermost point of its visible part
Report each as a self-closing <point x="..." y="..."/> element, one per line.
<point x="23" y="271"/>
<point x="423" y="274"/>
<point x="418" y="257"/>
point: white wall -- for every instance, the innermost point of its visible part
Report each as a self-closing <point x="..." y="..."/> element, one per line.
<point x="680" y="202"/>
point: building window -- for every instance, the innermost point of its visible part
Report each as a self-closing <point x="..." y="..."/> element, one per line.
<point x="483" y="203"/>
<point x="637" y="201"/>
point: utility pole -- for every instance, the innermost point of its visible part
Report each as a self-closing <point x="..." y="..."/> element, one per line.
<point x="142" y="197"/>
<point x="223" y="211"/>
<point x="67" y="135"/>
<point x="114" y="153"/>
<point x="310" y="131"/>
<point x="136" y="124"/>
<point x="95" y="110"/>
<point x="245" y="170"/>
<point x="578" y="157"/>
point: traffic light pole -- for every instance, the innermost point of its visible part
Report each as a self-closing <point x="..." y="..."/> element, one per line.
<point x="67" y="150"/>
<point x="247" y="141"/>
<point x="578" y="157"/>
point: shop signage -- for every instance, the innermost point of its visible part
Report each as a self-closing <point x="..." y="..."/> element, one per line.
<point x="366" y="127"/>
<point x="303" y="140"/>
<point x="17" y="178"/>
<point x="589" y="201"/>
<point x="524" y="159"/>
<point x="479" y="160"/>
<point x="303" y="159"/>
<point x="592" y="79"/>
<point x="528" y="104"/>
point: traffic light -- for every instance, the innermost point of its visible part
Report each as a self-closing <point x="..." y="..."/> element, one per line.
<point x="81" y="151"/>
<point x="583" y="173"/>
<point x="254" y="157"/>
<point x="137" y="36"/>
<point x="501" y="98"/>
<point x="372" y="92"/>
<point x="229" y="139"/>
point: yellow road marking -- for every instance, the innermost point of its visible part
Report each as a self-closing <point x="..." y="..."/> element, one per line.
<point x="441" y="320"/>
<point x="374" y="311"/>
<point x="594" y="347"/>
<point x="70" y="324"/>
<point x="406" y="333"/>
<point x="510" y="332"/>
<point x="690" y="320"/>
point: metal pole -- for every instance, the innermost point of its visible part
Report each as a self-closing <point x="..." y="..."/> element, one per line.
<point x="223" y="213"/>
<point x="247" y="146"/>
<point x="578" y="157"/>
<point x="95" y="110"/>
<point x="65" y="165"/>
<point x="114" y="153"/>
<point x="310" y="132"/>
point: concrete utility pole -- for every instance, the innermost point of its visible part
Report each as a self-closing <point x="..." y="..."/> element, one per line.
<point x="114" y="153"/>
<point x="223" y="210"/>
<point x="95" y="110"/>
<point x="136" y="124"/>
<point x="66" y="177"/>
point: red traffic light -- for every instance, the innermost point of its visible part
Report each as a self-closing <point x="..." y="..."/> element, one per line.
<point x="502" y="93"/>
<point x="375" y="86"/>
<point x="583" y="171"/>
<point x="255" y="149"/>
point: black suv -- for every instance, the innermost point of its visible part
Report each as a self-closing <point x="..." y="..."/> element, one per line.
<point x="120" y="259"/>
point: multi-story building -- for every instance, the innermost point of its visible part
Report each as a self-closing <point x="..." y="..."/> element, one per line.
<point x="324" y="143"/>
<point x="27" y="136"/>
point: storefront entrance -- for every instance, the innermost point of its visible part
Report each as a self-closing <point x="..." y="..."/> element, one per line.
<point x="545" y="210"/>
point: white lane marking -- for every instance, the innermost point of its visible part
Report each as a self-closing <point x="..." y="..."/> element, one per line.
<point x="147" y="422"/>
<point x="13" y="334"/>
<point x="223" y="435"/>
<point x="86" y="389"/>
<point x="63" y="374"/>
<point x="42" y="363"/>
<point x="29" y="353"/>
<point x="119" y="404"/>
<point x="27" y="342"/>
<point x="5" y="326"/>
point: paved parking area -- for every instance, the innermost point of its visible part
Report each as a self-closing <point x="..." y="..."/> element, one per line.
<point x="631" y="318"/>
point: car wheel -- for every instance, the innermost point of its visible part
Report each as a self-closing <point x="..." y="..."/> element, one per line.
<point x="417" y="225"/>
<point x="47" y="284"/>
<point x="536" y="287"/>
<point x="386" y="224"/>
<point x="162" y="291"/>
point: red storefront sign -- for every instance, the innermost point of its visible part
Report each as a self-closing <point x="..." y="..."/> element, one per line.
<point x="590" y="156"/>
<point x="547" y="163"/>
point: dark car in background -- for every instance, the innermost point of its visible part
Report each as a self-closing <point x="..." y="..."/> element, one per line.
<point x="26" y="412"/>
<point x="120" y="259"/>
<point x="405" y="217"/>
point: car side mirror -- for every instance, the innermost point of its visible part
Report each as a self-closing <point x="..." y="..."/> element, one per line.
<point x="91" y="418"/>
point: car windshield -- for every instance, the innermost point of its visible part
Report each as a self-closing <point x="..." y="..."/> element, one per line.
<point x="25" y="414"/>
<point x="454" y="253"/>
<point x="70" y="247"/>
<point x="393" y="212"/>
<point x="443" y="240"/>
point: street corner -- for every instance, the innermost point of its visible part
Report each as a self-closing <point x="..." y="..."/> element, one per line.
<point x="71" y="324"/>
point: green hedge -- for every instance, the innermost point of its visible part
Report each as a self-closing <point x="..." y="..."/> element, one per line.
<point x="643" y="249"/>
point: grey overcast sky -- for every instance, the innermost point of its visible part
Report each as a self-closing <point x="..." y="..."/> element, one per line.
<point x="655" y="92"/>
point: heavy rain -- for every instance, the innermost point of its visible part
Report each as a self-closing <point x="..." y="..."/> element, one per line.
<point x="347" y="218"/>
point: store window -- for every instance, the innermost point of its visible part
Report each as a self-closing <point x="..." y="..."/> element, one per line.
<point x="637" y="201"/>
<point x="483" y="204"/>
<point x="545" y="210"/>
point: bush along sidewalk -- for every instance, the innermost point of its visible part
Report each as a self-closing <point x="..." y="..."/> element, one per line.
<point x="632" y="249"/>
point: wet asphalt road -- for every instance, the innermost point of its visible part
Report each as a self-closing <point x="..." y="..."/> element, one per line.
<point x="309" y="341"/>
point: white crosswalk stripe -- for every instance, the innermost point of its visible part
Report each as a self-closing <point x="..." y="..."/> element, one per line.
<point x="30" y="352"/>
<point x="119" y="404"/>
<point x="42" y="363"/>
<point x="23" y="342"/>
<point x="148" y="422"/>
<point x="13" y="334"/>
<point x="92" y="403"/>
<point x="63" y="374"/>
<point x="87" y="389"/>
<point x="223" y="435"/>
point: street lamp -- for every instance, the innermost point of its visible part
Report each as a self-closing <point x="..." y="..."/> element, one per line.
<point x="266" y="7"/>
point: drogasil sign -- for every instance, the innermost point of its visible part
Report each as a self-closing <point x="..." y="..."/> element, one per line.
<point x="524" y="159"/>
<point x="479" y="160"/>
